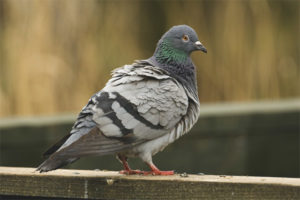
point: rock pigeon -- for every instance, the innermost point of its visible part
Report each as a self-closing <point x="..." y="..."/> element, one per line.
<point x="143" y="107"/>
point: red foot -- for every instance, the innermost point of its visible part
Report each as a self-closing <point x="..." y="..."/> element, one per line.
<point x="154" y="169"/>
<point x="132" y="172"/>
<point x="164" y="173"/>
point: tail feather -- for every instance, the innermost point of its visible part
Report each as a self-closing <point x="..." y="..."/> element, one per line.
<point x="54" y="162"/>
<point x="92" y="143"/>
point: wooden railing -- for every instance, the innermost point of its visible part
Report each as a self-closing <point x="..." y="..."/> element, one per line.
<point x="26" y="183"/>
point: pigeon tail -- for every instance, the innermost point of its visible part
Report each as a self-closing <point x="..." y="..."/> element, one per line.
<point x="92" y="143"/>
<point x="54" y="162"/>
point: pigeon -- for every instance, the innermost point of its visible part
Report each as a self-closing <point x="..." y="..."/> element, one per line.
<point x="143" y="107"/>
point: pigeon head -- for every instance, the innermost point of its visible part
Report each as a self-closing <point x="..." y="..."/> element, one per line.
<point x="176" y="45"/>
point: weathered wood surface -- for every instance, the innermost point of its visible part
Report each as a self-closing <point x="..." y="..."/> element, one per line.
<point x="111" y="185"/>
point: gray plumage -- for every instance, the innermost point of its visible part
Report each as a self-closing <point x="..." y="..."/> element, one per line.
<point x="144" y="106"/>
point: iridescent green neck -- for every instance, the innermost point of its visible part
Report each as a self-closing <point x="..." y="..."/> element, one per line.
<point x="165" y="53"/>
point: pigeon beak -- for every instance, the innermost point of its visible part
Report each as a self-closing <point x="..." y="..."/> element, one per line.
<point x="200" y="46"/>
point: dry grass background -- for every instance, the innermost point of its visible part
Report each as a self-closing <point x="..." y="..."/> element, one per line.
<point x="54" y="54"/>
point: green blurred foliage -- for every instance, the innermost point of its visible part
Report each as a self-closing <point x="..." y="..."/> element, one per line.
<point x="54" y="54"/>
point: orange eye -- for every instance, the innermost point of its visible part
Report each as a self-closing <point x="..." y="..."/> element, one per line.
<point x="185" y="38"/>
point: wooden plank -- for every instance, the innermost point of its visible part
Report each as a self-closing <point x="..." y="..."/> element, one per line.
<point x="112" y="185"/>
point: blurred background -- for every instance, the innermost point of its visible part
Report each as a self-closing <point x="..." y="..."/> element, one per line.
<point x="54" y="54"/>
